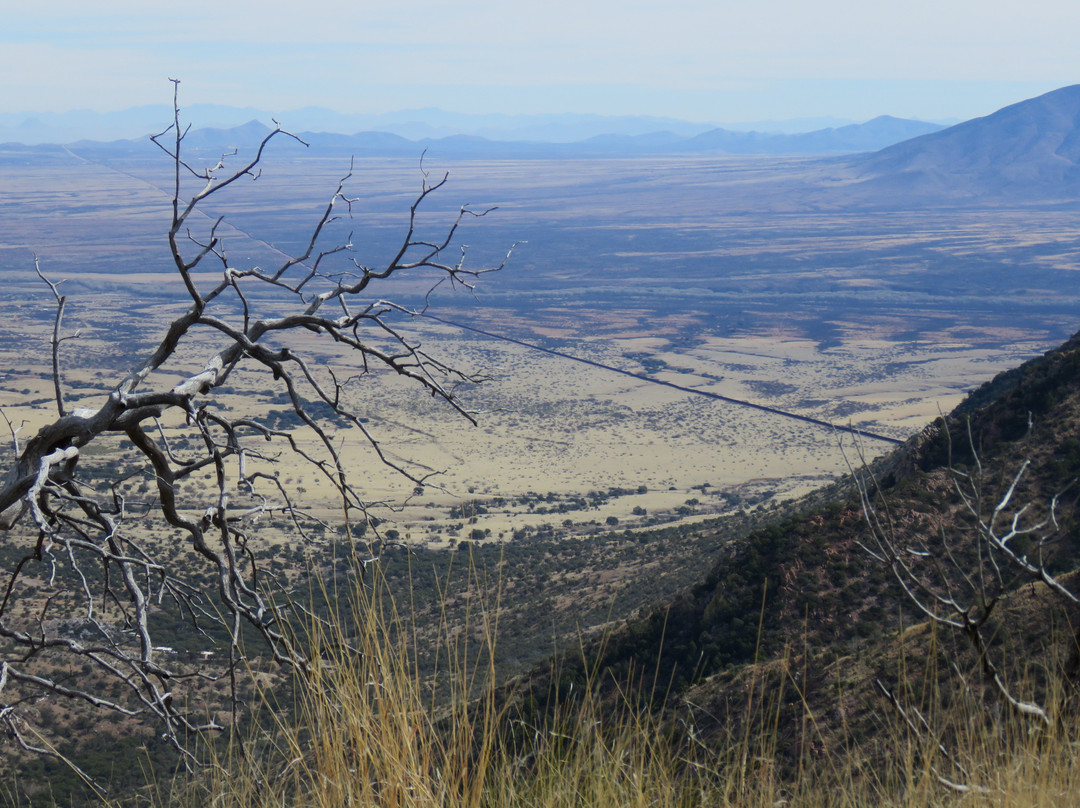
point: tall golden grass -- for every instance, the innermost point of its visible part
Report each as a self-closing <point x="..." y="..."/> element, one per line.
<point x="368" y="729"/>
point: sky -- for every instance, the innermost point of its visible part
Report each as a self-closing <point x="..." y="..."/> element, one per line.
<point x="698" y="60"/>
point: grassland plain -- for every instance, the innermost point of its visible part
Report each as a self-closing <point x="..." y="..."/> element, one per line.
<point x="752" y="278"/>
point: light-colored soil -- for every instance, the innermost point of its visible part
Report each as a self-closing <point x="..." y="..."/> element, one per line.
<point x="549" y="425"/>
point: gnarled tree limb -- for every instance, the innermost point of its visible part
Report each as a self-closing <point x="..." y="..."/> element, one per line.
<point x="85" y="538"/>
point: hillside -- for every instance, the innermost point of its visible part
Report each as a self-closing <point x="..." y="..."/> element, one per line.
<point x="1029" y="150"/>
<point x="801" y="591"/>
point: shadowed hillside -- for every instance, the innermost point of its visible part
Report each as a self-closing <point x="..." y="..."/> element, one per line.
<point x="802" y="592"/>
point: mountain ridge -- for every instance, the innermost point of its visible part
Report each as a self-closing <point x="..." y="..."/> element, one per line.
<point x="873" y="134"/>
<point x="32" y="128"/>
<point x="1023" y="151"/>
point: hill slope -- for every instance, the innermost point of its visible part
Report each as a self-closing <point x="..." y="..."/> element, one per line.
<point x="1024" y="151"/>
<point x="804" y="587"/>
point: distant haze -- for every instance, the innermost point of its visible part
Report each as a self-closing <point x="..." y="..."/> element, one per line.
<point x="693" y="60"/>
<point x="411" y="124"/>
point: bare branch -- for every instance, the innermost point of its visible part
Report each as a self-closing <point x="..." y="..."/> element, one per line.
<point x="115" y="562"/>
<point x="959" y="583"/>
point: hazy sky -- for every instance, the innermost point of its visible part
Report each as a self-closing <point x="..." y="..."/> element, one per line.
<point x="706" y="60"/>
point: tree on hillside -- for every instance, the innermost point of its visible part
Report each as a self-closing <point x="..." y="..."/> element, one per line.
<point x="106" y="560"/>
<point x="993" y="530"/>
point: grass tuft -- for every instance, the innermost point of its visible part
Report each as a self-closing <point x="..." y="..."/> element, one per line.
<point x="368" y="729"/>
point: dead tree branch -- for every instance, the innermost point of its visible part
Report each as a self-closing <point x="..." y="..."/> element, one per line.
<point x="956" y="578"/>
<point x="105" y="564"/>
<point x="986" y="540"/>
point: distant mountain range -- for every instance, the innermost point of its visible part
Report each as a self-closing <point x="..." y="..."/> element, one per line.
<point x="1026" y="151"/>
<point x="874" y="134"/>
<point x="416" y="124"/>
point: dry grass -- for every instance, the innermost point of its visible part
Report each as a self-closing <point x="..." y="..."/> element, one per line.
<point x="367" y="730"/>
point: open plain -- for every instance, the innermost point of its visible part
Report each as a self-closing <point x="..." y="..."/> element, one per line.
<point x="773" y="281"/>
